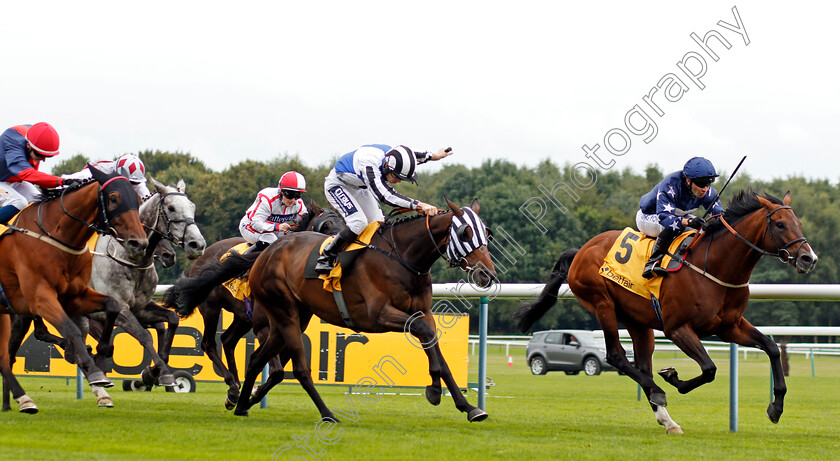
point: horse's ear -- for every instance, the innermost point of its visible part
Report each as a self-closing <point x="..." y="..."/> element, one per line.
<point x="786" y="200"/>
<point x="314" y="208"/>
<point x="182" y="186"/>
<point x="474" y="205"/>
<point x="159" y="186"/>
<point x="97" y="174"/>
<point x="455" y="210"/>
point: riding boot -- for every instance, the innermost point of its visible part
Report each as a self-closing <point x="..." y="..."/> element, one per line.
<point x="7" y="212"/>
<point x="257" y="247"/>
<point x="660" y="248"/>
<point x="327" y="260"/>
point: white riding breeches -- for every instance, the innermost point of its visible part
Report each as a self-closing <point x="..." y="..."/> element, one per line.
<point x="359" y="207"/>
<point x="17" y="194"/>
<point x="648" y="224"/>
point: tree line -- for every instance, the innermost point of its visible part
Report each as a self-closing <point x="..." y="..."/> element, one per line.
<point x="534" y="217"/>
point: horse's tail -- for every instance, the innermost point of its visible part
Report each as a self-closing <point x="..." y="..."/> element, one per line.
<point x="188" y="292"/>
<point x="529" y="313"/>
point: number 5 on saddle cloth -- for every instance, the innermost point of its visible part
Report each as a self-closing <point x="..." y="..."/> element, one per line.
<point x="626" y="260"/>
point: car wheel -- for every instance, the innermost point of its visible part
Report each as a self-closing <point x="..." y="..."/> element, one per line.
<point x="538" y="366"/>
<point x="591" y="366"/>
<point x="184" y="382"/>
<point x="572" y="372"/>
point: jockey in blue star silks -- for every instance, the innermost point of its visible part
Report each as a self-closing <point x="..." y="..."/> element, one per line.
<point x="360" y="181"/>
<point x="22" y="149"/>
<point x="668" y="208"/>
<point x="274" y="211"/>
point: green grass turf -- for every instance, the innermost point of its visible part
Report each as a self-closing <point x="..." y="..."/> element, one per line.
<point x="531" y="417"/>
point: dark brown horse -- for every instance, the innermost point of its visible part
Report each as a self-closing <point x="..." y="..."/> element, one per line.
<point x="325" y="221"/>
<point x="45" y="266"/>
<point x="693" y="305"/>
<point x="388" y="286"/>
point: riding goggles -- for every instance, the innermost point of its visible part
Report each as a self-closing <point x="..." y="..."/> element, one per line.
<point x="291" y="194"/>
<point x="703" y="182"/>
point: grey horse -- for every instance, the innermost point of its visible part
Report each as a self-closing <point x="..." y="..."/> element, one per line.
<point x="167" y="215"/>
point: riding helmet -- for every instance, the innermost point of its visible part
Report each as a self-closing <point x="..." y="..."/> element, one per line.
<point x="292" y="180"/>
<point x="43" y="138"/>
<point x="132" y="168"/>
<point x="402" y="163"/>
<point x="699" y="167"/>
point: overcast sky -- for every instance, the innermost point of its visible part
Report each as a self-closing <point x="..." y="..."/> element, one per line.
<point x="522" y="81"/>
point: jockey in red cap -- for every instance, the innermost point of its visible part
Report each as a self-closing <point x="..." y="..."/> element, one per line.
<point x="22" y="149"/>
<point x="272" y="212"/>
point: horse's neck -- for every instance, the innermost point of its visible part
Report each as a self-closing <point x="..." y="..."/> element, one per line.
<point x="149" y="218"/>
<point x="420" y="246"/>
<point x="82" y="204"/>
<point x="736" y="260"/>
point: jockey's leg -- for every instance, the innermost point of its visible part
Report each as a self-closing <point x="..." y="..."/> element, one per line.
<point x="327" y="260"/>
<point x="660" y="248"/>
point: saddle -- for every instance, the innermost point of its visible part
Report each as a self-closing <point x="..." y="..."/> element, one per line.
<point x="627" y="257"/>
<point x="345" y="258"/>
<point x="238" y="287"/>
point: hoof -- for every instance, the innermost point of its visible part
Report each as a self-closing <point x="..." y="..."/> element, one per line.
<point x="476" y="414"/>
<point x="147" y="378"/>
<point x="773" y="414"/>
<point x="658" y="399"/>
<point x="330" y="417"/>
<point x="229" y="405"/>
<point x="241" y="413"/>
<point x="433" y="395"/>
<point x="674" y="430"/>
<point x="105" y="402"/>
<point x="667" y="373"/>
<point x="167" y="380"/>
<point x="98" y="378"/>
<point x="26" y="405"/>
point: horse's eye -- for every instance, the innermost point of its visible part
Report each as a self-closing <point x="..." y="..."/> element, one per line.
<point x="780" y="225"/>
<point x="171" y="209"/>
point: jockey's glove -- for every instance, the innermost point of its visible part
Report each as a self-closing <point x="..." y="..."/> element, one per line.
<point x="70" y="182"/>
<point x="696" y="223"/>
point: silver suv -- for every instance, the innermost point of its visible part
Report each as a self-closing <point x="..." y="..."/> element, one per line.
<point x="570" y="351"/>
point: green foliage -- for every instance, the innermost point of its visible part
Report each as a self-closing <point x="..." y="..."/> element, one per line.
<point x="523" y="251"/>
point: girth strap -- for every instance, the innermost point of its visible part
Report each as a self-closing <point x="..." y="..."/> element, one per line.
<point x="342" y="309"/>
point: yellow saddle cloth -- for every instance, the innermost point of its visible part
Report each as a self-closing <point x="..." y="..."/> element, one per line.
<point x="238" y="287"/>
<point x="332" y="280"/>
<point x="626" y="261"/>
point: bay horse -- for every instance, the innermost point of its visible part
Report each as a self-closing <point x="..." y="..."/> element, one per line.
<point x="694" y="303"/>
<point x="325" y="221"/>
<point x="388" y="286"/>
<point x="45" y="266"/>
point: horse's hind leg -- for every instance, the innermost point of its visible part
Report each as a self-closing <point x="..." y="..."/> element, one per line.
<point x="25" y="403"/>
<point x="643" y="344"/>
<point x="747" y="335"/>
<point x="19" y="327"/>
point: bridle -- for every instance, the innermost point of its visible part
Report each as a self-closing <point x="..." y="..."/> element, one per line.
<point x="782" y="251"/>
<point x="104" y="218"/>
<point x="168" y="222"/>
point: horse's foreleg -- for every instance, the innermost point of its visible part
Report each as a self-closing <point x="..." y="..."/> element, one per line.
<point x="211" y="350"/>
<point x="747" y="335"/>
<point x="423" y="328"/>
<point x="230" y="338"/>
<point x="686" y="339"/>
<point x="19" y="327"/>
<point x="128" y="322"/>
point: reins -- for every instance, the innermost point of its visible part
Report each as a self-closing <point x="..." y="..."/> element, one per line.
<point x="781" y="251"/>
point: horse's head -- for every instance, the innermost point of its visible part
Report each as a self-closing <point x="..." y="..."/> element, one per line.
<point x="467" y="246"/>
<point x="786" y="237"/>
<point x="118" y="212"/>
<point x="174" y="217"/>
<point x="325" y="221"/>
<point x="165" y="253"/>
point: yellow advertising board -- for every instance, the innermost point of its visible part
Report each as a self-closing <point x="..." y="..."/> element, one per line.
<point x="336" y="355"/>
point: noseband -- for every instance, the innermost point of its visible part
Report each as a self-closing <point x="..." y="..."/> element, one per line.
<point x="782" y="251"/>
<point x="168" y="222"/>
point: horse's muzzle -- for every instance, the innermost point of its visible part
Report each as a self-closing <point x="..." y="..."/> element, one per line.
<point x="136" y="248"/>
<point x="483" y="278"/>
<point x="806" y="262"/>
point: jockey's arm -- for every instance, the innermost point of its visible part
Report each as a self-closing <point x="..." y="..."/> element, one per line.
<point x="39" y="178"/>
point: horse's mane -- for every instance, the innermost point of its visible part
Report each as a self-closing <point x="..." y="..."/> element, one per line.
<point x="391" y="220"/>
<point x="741" y="205"/>
<point x="51" y="194"/>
